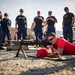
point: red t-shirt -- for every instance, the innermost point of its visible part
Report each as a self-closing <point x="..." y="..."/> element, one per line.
<point x="68" y="48"/>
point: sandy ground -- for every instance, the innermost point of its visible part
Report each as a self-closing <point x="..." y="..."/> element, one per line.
<point x="34" y="66"/>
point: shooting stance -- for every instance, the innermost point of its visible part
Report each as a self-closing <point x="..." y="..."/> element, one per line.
<point x="61" y="45"/>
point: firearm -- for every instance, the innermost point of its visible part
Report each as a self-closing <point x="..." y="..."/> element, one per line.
<point x="43" y="43"/>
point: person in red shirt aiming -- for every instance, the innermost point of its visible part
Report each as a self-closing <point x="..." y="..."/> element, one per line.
<point x="61" y="45"/>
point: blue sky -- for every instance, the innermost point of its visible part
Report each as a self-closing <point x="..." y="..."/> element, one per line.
<point x="32" y="6"/>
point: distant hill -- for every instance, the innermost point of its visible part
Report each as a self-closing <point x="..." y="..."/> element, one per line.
<point x="59" y="33"/>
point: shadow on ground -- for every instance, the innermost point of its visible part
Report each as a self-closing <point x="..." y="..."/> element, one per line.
<point x="48" y="71"/>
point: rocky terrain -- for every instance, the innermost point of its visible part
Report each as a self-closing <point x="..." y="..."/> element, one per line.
<point x="11" y="65"/>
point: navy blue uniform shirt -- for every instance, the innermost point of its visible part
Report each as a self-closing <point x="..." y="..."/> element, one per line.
<point x="67" y="18"/>
<point x="37" y="20"/>
<point x="50" y="22"/>
<point x="21" y="20"/>
<point x="5" y="24"/>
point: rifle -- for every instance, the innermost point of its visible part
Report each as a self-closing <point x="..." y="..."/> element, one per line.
<point x="43" y="43"/>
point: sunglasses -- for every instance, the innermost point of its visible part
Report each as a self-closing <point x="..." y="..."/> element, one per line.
<point x="51" y="39"/>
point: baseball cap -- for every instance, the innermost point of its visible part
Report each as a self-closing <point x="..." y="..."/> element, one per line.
<point x="5" y="14"/>
<point x="38" y="12"/>
<point x="66" y="8"/>
<point x="49" y="12"/>
<point x="43" y="52"/>
<point x="21" y="10"/>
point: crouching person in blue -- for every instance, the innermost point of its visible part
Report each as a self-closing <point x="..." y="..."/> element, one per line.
<point x="21" y="23"/>
<point x="6" y="24"/>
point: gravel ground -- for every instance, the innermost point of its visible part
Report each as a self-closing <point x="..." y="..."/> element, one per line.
<point x="33" y="66"/>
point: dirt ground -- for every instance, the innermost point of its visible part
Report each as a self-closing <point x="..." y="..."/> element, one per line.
<point x="9" y="65"/>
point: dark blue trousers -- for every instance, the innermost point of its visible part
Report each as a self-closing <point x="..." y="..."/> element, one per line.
<point x="68" y="33"/>
<point x="22" y="32"/>
<point x="6" y="33"/>
<point x="50" y="28"/>
<point x="38" y="32"/>
<point x="0" y="34"/>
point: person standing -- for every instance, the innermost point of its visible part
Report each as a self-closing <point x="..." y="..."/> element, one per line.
<point x="0" y="27"/>
<point x="68" y="21"/>
<point x="6" y="24"/>
<point x="50" y="20"/>
<point x="38" y="20"/>
<point x="21" y="22"/>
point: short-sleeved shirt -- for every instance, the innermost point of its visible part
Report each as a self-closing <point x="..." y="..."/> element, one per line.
<point x="68" y="48"/>
<point x="37" y="20"/>
<point x="50" y="22"/>
<point x="21" y="20"/>
<point x="6" y="23"/>
<point x="67" y="18"/>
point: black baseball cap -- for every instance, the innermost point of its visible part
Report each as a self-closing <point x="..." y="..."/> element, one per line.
<point x="50" y="12"/>
<point x="5" y="14"/>
<point x="21" y="10"/>
<point x="66" y="8"/>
